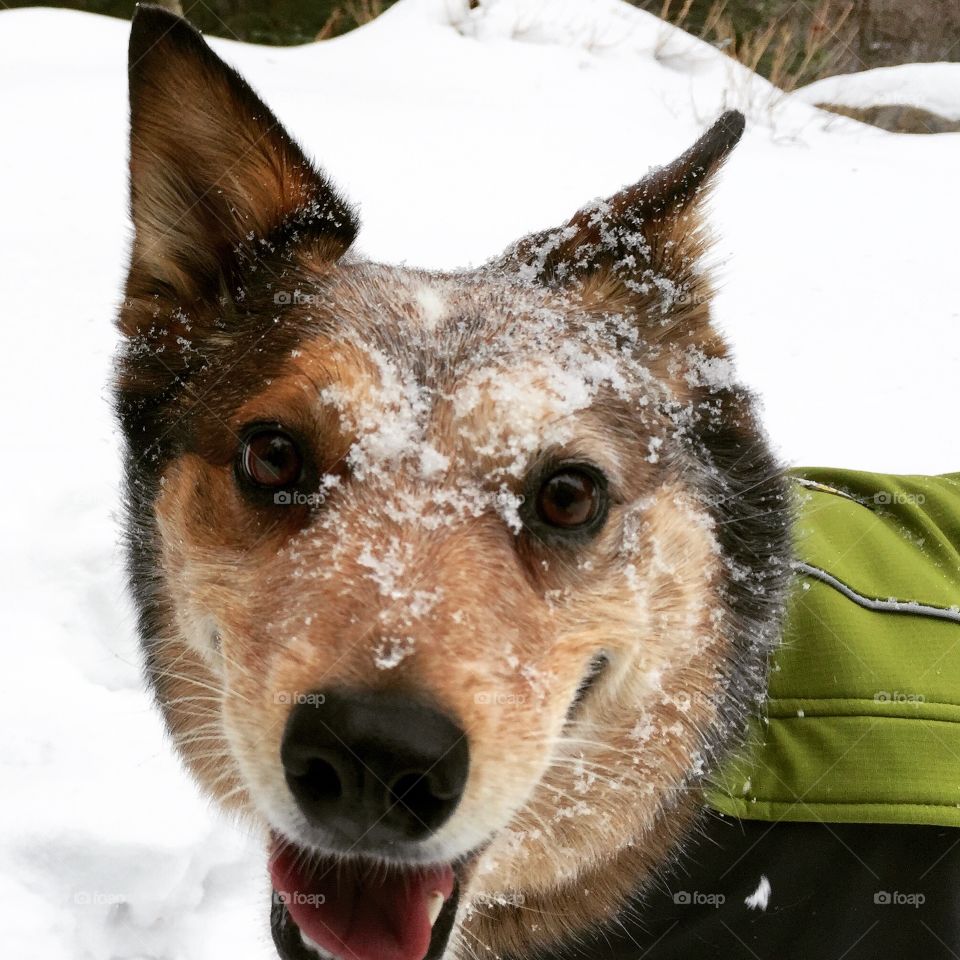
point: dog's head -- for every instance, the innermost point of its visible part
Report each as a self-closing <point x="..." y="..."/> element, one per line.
<point x="455" y="584"/>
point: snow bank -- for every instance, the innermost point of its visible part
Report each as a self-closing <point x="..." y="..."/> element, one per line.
<point x="931" y="86"/>
<point x="838" y="294"/>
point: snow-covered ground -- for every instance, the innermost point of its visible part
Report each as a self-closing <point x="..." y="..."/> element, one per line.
<point x="838" y="262"/>
<point x="932" y="86"/>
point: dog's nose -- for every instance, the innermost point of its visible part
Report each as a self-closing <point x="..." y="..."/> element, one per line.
<point x="376" y="767"/>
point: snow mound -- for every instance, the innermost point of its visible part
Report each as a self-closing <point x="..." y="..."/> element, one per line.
<point x="930" y="86"/>
<point x="678" y="68"/>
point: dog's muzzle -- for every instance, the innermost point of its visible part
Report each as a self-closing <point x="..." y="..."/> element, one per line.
<point x="374" y="773"/>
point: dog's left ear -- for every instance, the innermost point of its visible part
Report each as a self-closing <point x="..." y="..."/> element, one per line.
<point x="214" y="178"/>
<point x="641" y="244"/>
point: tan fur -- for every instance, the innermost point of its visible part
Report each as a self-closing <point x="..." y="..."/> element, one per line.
<point x="428" y="404"/>
<point x="297" y="611"/>
<point x="501" y="640"/>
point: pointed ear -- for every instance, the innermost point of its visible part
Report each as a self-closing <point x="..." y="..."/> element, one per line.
<point x="213" y="175"/>
<point x="644" y="240"/>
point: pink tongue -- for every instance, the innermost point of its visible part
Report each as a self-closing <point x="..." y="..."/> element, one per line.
<point x="359" y="912"/>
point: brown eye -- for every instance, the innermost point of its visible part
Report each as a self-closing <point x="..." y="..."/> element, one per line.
<point x="569" y="499"/>
<point x="269" y="458"/>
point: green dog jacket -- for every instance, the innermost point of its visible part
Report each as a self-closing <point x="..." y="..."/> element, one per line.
<point x="862" y="719"/>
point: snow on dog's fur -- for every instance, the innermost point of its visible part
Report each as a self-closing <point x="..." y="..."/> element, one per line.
<point x="597" y="670"/>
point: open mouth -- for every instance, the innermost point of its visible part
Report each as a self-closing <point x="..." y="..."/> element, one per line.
<point x="348" y="909"/>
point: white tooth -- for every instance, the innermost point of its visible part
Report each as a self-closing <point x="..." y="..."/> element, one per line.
<point x="434" y="906"/>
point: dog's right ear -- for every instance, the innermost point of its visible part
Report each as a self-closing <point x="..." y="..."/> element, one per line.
<point x="214" y="178"/>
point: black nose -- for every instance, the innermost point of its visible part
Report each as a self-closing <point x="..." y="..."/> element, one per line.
<point x="376" y="767"/>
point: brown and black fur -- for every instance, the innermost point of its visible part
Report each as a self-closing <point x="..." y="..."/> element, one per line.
<point x="231" y="220"/>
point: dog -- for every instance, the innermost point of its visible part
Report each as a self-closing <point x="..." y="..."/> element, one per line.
<point x="454" y="586"/>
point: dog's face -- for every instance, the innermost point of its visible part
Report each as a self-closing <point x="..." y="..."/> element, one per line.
<point x="452" y="583"/>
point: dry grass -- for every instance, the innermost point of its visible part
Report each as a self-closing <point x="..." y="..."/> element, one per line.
<point x="354" y="13"/>
<point x="790" y="50"/>
<point x="351" y="14"/>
